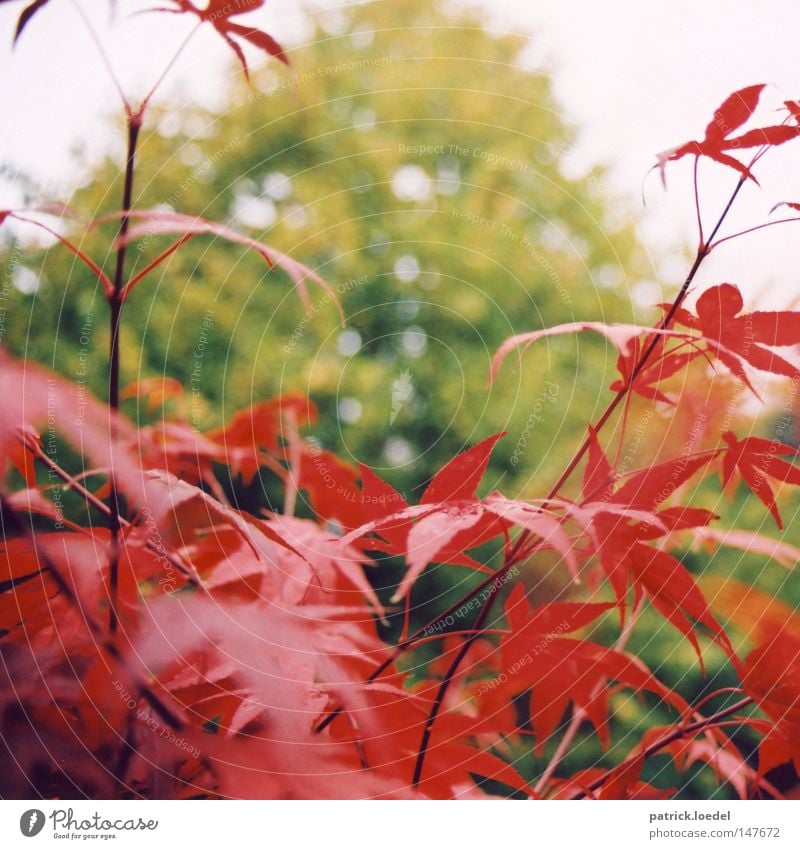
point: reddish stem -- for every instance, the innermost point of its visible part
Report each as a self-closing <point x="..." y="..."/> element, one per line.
<point x="115" y="301"/>
<point x="151" y="265"/>
<point x="446" y="681"/>
<point x="677" y="734"/>
<point x="701" y="239"/>
<point x="424" y="631"/>
<point x="752" y="230"/>
<point x="189" y="571"/>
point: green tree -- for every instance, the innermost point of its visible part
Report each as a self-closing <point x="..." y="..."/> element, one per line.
<point x="409" y="161"/>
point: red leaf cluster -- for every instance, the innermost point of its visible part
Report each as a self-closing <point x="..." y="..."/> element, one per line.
<point x="719" y="141"/>
<point x="218" y="13"/>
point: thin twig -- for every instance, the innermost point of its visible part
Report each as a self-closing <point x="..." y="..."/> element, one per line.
<point x="561" y="751"/>
<point x="716" y="694"/>
<point x="578" y="716"/>
<point x="115" y="315"/>
<point x="170" y="65"/>
<point x="102" y="277"/>
<point x="190" y="573"/>
<point x="752" y="230"/>
<point x="445" y="684"/>
<point x="701" y="239"/>
<point x="103" y="55"/>
<point x="677" y="734"/>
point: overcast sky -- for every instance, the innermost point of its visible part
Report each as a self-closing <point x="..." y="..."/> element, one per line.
<point x="634" y="77"/>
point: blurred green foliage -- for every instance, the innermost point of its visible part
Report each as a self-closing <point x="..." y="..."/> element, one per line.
<point x="416" y="168"/>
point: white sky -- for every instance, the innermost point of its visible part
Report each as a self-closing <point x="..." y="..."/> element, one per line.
<point x="634" y="77"/>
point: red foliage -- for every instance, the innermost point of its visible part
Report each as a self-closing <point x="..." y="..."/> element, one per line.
<point x="731" y="115"/>
<point x="218" y="14"/>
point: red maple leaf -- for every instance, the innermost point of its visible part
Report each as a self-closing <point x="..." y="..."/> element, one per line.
<point x="559" y="670"/>
<point x="756" y="459"/>
<point x="731" y="115"/>
<point x="771" y="675"/>
<point x="661" y="364"/>
<point x="218" y="13"/>
<point x="731" y="333"/>
<point x="450" y="519"/>
<point x="625" y="519"/>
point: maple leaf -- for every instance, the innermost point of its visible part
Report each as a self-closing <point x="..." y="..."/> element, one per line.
<point x="313" y="569"/>
<point x="723" y="757"/>
<point x="748" y="336"/>
<point x="450" y="519"/>
<point x="624" y="780"/>
<point x="379" y="501"/>
<point x="330" y="484"/>
<point x="59" y="210"/>
<point x="430" y="535"/>
<point x="218" y="14"/>
<point x="625" y="557"/>
<point x="621" y="337"/>
<point x="630" y="347"/>
<point x="263" y="436"/>
<point x="622" y="522"/>
<point x="793" y="108"/>
<point x="24" y="587"/>
<point x="445" y="536"/>
<point x="637" y="499"/>
<point x="559" y="670"/>
<point x="674" y="594"/>
<point x="771" y="675"/>
<point x="156" y="222"/>
<point x="598" y="476"/>
<point x="544" y="525"/>
<point x="731" y="115"/>
<point x="31" y="393"/>
<point x="781" y="552"/>
<point x="661" y="365"/>
<point x="156" y="390"/>
<point x="179" y="449"/>
<point x="21" y="456"/>
<point x="650" y="487"/>
<point x="261" y="424"/>
<point x="755" y="459"/>
<point x="526" y="623"/>
<point x="459" y="478"/>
